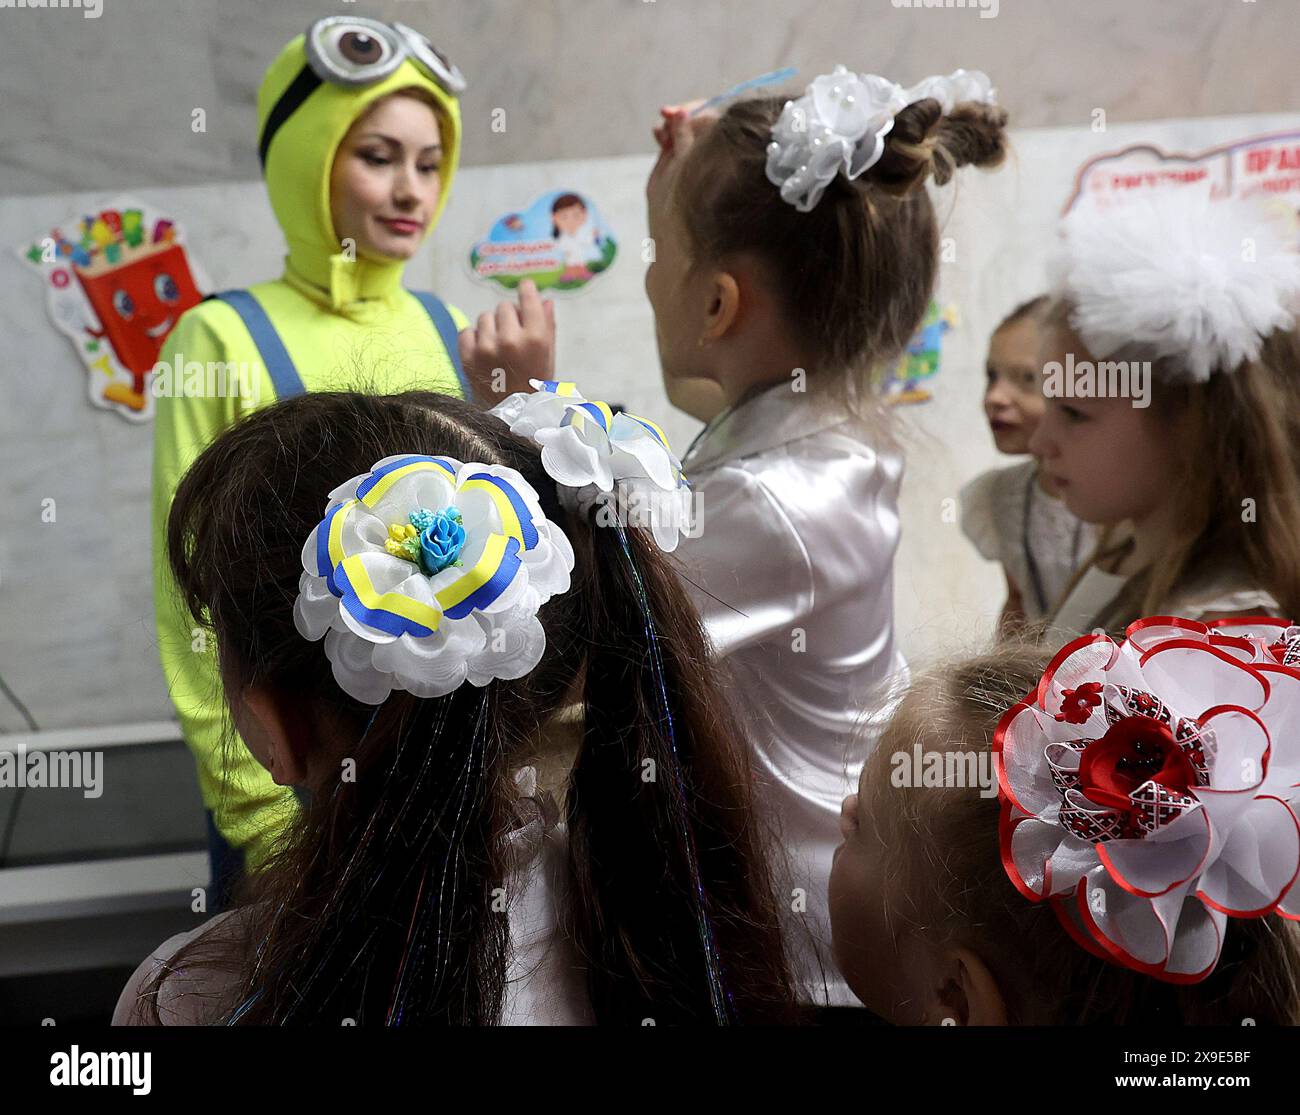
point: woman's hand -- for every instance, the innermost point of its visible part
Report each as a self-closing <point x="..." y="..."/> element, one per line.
<point x="510" y="346"/>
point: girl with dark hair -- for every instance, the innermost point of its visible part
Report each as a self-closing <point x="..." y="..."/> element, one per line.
<point x="566" y="838"/>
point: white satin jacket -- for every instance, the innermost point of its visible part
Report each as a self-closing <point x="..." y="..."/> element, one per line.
<point x="792" y="570"/>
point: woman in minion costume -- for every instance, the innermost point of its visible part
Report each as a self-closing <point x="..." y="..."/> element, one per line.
<point x="359" y="138"/>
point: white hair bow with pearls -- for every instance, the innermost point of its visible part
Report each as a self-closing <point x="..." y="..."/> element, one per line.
<point x="840" y="125"/>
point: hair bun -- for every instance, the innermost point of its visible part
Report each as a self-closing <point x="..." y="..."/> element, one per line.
<point x="974" y="134"/>
<point x="925" y="142"/>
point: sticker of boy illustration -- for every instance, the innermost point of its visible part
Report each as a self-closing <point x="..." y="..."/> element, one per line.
<point x="575" y="237"/>
<point x="559" y="240"/>
<point x="133" y="281"/>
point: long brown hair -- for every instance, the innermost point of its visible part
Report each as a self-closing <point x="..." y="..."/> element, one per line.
<point x="373" y="888"/>
<point x="941" y="848"/>
<point x="1237" y="485"/>
<point x="856" y="272"/>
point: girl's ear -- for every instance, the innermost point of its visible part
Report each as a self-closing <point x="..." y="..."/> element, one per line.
<point x="968" y="994"/>
<point x="277" y="729"/>
<point x="723" y="308"/>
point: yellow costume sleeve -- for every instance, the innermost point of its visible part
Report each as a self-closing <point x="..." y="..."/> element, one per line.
<point x="249" y="809"/>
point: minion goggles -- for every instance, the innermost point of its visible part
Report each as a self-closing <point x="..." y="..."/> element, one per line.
<point x="354" y="52"/>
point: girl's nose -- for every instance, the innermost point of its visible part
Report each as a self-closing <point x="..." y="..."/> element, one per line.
<point x="403" y="194"/>
<point x="849" y="816"/>
<point x="996" y="394"/>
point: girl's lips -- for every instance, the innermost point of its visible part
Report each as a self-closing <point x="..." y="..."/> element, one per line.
<point x="1000" y="427"/>
<point x="401" y="227"/>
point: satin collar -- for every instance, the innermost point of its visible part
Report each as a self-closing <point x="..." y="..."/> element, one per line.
<point x="765" y="420"/>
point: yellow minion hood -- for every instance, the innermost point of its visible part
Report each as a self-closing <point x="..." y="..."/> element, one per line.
<point x="302" y="119"/>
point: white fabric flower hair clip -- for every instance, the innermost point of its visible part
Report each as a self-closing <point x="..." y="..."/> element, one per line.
<point x="1180" y="275"/>
<point x="1149" y="789"/>
<point x="840" y="123"/>
<point x="596" y="456"/>
<point x="426" y="573"/>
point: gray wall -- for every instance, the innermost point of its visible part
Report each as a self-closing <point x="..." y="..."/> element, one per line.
<point x="105" y="103"/>
<point x="94" y="106"/>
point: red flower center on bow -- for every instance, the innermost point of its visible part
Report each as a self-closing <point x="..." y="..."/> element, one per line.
<point x="1135" y="750"/>
<point x="1077" y="704"/>
<point x="1286" y="651"/>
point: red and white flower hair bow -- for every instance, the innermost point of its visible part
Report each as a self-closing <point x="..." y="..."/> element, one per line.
<point x="1150" y="789"/>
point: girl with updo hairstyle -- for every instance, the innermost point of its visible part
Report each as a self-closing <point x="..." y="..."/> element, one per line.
<point x="784" y="282"/>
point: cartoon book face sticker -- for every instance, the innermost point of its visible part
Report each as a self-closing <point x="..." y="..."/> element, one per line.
<point x="116" y="284"/>
<point x="559" y="241"/>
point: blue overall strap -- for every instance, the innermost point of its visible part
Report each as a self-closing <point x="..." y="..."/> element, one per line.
<point x="446" y="327"/>
<point x="284" y="376"/>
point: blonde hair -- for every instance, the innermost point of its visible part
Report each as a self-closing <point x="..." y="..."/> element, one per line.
<point x="945" y="879"/>
<point x="1239" y="440"/>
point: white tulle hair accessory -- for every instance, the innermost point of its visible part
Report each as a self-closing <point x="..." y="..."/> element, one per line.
<point x="840" y="123"/>
<point x="596" y="456"/>
<point x="1174" y="274"/>
<point x="426" y="573"/>
<point x="1150" y="791"/>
